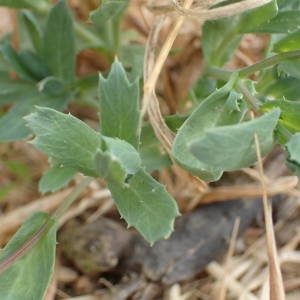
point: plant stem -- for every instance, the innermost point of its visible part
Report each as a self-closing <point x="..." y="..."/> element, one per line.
<point x="268" y="62"/>
<point x="31" y="242"/>
<point x="71" y="198"/>
<point x="223" y="74"/>
<point x="250" y="99"/>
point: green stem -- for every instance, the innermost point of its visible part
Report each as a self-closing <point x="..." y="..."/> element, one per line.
<point x="32" y="241"/>
<point x="268" y="62"/>
<point x="250" y="99"/>
<point x="71" y="198"/>
<point x="223" y="74"/>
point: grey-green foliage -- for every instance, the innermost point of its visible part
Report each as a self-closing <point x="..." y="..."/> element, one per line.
<point x="29" y="276"/>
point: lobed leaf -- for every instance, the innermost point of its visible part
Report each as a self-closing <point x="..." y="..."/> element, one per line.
<point x="145" y="204"/>
<point x="232" y="147"/>
<point x="20" y="280"/>
<point x="119" y="105"/>
<point x="69" y="142"/>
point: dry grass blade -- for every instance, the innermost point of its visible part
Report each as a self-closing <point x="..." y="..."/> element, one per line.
<point x="220" y="12"/>
<point x="221" y="292"/>
<point x="275" y="276"/>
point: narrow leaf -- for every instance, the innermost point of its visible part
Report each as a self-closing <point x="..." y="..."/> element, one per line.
<point x="232" y="147"/>
<point x="33" y="29"/>
<point x="58" y="43"/>
<point x="146" y="205"/>
<point x="23" y="3"/>
<point x="20" y="280"/>
<point x="119" y="105"/>
<point x="107" y="11"/>
<point x="15" y="62"/>
<point x="68" y="141"/>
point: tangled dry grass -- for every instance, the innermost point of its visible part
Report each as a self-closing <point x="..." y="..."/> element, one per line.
<point x="253" y="262"/>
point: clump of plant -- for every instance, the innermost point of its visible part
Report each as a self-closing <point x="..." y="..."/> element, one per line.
<point x="216" y="136"/>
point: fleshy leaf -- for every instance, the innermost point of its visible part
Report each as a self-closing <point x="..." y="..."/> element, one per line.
<point x="55" y="178"/>
<point x="145" y="204"/>
<point x="58" y="43"/>
<point x="232" y="147"/>
<point x="20" y="280"/>
<point x="212" y="112"/>
<point x="68" y="141"/>
<point x="119" y="105"/>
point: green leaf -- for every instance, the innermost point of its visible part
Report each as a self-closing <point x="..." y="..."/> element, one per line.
<point x="290" y="67"/>
<point x="124" y="152"/>
<point x="293" y="148"/>
<point x="288" y="43"/>
<point x="37" y="4"/>
<point x="58" y="43"/>
<point x="119" y="105"/>
<point x="153" y="158"/>
<point x="284" y="22"/>
<point x="14" y="60"/>
<point x="107" y="10"/>
<point x="275" y="85"/>
<point x="146" y="205"/>
<point x="253" y="18"/>
<point x="290" y="113"/>
<point x="219" y="40"/>
<point x="33" y="29"/>
<point x="12" y="124"/>
<point x="69" y="142"/>
<point x="28" y="278"/>
<point x="117" y="160"/>
<point x="14" y="90"/>
<point x="221" y="37"/>
<point x="232" y="147"/>
<point x="210" y="113"/>
<point x="55" y="178"/>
